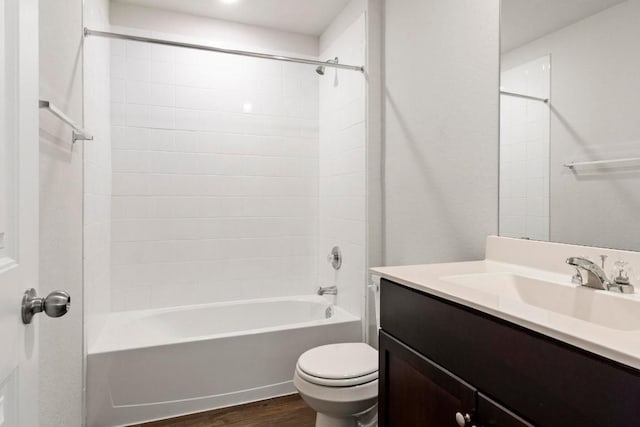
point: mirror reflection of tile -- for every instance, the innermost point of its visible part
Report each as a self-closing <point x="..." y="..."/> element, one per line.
<point x="524" y="151"/>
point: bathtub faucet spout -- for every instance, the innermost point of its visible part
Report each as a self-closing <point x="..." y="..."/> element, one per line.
<point x="328" y="290"/>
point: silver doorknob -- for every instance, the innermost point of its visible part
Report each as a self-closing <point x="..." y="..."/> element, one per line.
<point x="56" y="304"/>
<point x="462" y="420"/>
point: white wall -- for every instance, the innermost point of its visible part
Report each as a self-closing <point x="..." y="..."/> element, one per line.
<point x="61" y="213"/>
<point x="97" y="171"/>
<point x="218" y="33"/>
<point x="345" y="19"/>
<point x="374" y="89"/>
<point x="441" y="129"/>
<point x="342" y="166"/>
<point x="594" y="87"/>
<point x="524" y="151"/>
<point x="215" y="184"/>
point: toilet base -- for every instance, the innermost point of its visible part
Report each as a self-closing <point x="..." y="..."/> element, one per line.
<point x="323" y="420"/>
<point x="367" y="419"/>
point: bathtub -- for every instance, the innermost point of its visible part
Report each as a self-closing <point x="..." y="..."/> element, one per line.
<point x="154" y="364"/>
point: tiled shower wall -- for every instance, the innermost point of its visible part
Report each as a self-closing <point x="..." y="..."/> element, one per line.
<point x="342" y="168"/>
<point x="524" y="151"/>
<point x="215" y="177"/>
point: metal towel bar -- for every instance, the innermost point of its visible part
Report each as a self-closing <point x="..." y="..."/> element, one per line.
<point x="601" y="162"/>
<point x="520" y="95"/>
<point x="78" y="134"/>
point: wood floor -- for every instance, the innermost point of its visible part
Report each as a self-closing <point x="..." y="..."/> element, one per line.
<point x="288" y="411"/>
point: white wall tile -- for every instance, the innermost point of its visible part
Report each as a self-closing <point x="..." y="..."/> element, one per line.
<point x="163" y="72"/>
<point x="163" y="53"/>
<point x="213" y="196"/>
<point x="137" y="50"/>
<point x="137" y="69"/>
<point x="341" y="169"/>
<point x="118" y="67"/>
<point x="137" y="92"/>
<point x="524" y="152"/>
<point x="161" y="117"/>
<point x="118" y="48"/>
<point x="118" y="90"/>
<point x="118" y="114"/>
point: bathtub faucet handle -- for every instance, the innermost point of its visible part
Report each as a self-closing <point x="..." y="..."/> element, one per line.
<point x="335" y="258"/>
<point x="328" y="290"/>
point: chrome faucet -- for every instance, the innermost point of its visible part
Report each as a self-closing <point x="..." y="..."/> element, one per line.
<point x="596" y="277"/>
<point x="328" y="290"/>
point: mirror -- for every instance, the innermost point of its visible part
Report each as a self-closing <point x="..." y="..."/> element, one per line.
<point x="570" y="121"/>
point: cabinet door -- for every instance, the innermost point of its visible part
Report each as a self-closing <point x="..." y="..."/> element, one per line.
<point x="416" y="392"/>
<point x="492" y="414"/>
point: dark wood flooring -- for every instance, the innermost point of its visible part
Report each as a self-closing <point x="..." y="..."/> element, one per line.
<point x="288" y="411"/>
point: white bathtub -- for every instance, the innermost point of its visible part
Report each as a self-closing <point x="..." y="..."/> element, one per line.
<point x="154" y="364"/>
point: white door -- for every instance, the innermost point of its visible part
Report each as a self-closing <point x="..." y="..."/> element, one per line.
<point x="18" y="210"/>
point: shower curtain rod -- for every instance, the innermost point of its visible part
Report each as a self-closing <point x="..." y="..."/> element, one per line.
<point x="89" y="32"/>
<point x="519" y="95"/>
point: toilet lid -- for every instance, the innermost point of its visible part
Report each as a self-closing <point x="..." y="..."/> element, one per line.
<point x="340" y="361"/>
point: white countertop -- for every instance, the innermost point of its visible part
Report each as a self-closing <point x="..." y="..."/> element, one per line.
<point x="619" y="345"/>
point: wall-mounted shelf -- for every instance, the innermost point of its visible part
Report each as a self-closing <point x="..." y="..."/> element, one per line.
<point x="79" y="134"/>
<point x="573" y="165"/>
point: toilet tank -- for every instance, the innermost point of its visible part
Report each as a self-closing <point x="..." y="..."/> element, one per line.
<point x="372" y="312"/>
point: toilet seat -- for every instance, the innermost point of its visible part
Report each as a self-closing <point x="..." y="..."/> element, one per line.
<point x="339" y="365"/>
<point x="347" y="382"/>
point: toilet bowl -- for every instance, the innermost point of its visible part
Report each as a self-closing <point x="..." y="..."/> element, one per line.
<point x="339" y="382"/>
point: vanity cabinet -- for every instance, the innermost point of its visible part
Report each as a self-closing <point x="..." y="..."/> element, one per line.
<point x="427" y="395"/>
<point x="417" y="392"/>
<point x="445" y="364"/>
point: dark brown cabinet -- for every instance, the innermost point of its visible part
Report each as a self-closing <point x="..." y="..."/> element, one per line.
<point x="417" y="392"/>
<point x="491" y="414"/>
<point x="430" y="396"/>
<point x="445" y="364"/>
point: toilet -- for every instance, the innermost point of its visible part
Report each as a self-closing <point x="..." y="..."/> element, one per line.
<point x="339" y="382"/>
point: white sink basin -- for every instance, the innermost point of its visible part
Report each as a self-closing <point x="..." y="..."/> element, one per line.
<point x="579" y="302"/>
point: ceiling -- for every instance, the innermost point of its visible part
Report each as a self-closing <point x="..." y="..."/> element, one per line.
<point x="309" y="17"/>
<point x="527" y="20"/>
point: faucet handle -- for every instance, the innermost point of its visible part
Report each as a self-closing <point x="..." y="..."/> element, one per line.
<point x="603" y="260"/>
<point x="335" y="258"/>
<point x="621" y="272"/>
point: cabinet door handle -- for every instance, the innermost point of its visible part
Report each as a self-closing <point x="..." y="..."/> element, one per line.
<point x="462" y="420"/>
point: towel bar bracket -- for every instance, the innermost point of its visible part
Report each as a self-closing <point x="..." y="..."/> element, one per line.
<point x="78" y="133"/>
